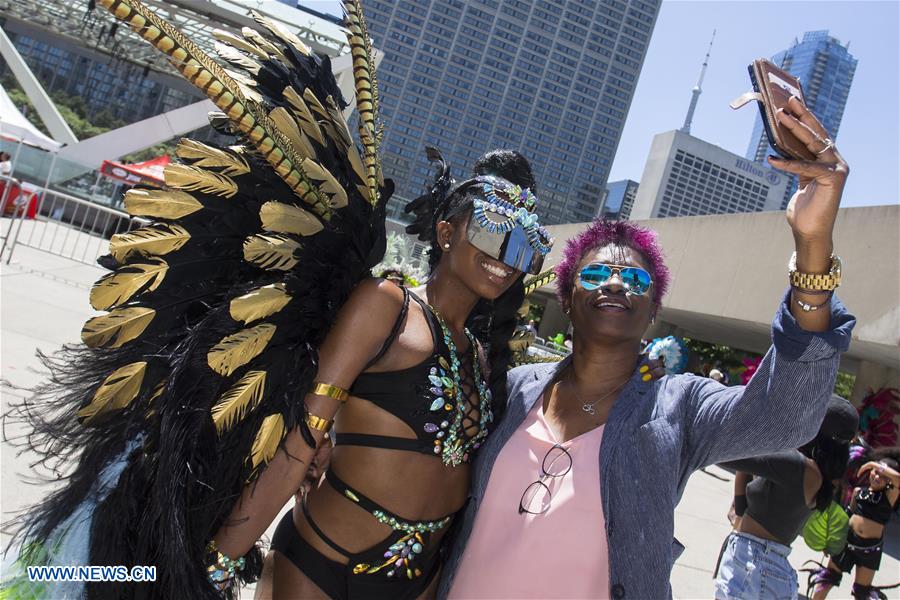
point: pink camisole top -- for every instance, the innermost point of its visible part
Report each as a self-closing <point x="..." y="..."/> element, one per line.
<point x="559" y="553"/>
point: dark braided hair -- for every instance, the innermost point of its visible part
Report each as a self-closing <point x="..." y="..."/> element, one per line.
<point x="492" y="322"/>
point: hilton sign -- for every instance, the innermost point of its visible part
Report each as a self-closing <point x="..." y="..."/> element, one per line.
<point x="751" y="167"/>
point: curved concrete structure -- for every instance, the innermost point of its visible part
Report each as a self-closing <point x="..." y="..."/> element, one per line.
<point x="730" y="270"/>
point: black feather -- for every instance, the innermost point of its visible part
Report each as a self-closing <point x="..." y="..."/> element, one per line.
<point x="426" y="208"/>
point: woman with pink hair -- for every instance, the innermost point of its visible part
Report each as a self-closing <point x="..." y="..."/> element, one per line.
<point x="573" y="496"/>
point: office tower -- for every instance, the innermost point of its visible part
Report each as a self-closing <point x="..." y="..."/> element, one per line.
<point x="825" y="68"/>
<point x="685" y="175"/>
<point x="551" y="78"/>
<point x="618" y="199"/>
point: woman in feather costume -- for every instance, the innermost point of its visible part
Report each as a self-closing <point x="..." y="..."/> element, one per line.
<point x="418" y="407"/>
<point x="239" y="320"/>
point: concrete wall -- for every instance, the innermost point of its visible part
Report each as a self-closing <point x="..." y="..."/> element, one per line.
<point x="729" y="272"/>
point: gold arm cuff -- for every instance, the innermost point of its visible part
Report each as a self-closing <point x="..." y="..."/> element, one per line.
<point x="332" y="391"/>
<point x="317" y="422"/>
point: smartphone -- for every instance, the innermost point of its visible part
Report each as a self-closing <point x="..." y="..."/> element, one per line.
<point x="775" y="87"/>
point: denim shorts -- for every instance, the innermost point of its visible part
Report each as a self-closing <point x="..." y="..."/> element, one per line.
<point x="753" y="568"/>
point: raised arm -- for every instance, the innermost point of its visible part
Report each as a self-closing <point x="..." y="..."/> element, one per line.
<point x="812" y="210"/>
<point x="885" y="472"/>
<point x="783" y="405"/>
<point x="362" y="325"/>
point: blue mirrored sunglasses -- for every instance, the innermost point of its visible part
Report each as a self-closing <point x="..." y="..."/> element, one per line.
<point x="634" y="279"/>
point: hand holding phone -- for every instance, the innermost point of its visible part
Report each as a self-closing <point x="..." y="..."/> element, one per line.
<point x="773" y="87"/>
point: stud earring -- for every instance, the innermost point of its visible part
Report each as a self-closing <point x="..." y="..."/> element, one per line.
<point x="446" y="246"/>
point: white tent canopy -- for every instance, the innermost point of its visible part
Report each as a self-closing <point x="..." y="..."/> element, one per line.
<point x="14" y="126"/>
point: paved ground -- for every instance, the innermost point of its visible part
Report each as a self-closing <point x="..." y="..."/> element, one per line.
<point x="43" y="303"/>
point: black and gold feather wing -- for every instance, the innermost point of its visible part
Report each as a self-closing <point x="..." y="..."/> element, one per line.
<point x="214" y="310"/>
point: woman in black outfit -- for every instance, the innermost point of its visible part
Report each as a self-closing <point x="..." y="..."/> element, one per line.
<point x="870" y="510"/>
<point x="774" y="495"/>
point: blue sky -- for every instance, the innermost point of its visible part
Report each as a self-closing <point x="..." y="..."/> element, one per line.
<point x="869" y="137"/>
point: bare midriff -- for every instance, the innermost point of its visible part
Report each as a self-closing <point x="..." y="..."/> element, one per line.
<point x="412" y="485"/>
<point x="866" y="528"/>
<point x="749" y="525"/>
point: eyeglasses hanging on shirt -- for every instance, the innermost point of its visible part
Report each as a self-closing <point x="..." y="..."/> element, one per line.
<point x="536" y="498"/>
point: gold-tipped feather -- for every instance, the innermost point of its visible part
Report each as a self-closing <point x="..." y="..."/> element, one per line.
<point x="271" y="251"/>
<point x="336" y="117"/>
<point x="158" y="240"/>
<point x="313" y="128"/>
<point x="236" y="350"/>
<point x="116" y="392"/>
<point x="286" y="37"/>
<point x="161" y="204"/>
<point x="237" y="58"/>
<point x="202" y="155"/>
<point x="117" y="328"/>
<point x="185" y="177"/>
<point x="268" y="438"/>
<point x="244" y="396"/>
<point x="313" y="102"/>
<point x="230" y="96"/>
<point x="247" y="83"/>
<point x="127" y="281"/>
<point x="305" y="119"/>
<point x="328" y="185"/>
<point x="158" y="390"/>
<point x="259" y="304"/>
<point x="288" y="125"/>
<point x="539" y="281"/>
<point x="253" y="36"/>
<point x="284" y="218"/>
<point x="239" y="43"/>
<point x="156" y="393"/>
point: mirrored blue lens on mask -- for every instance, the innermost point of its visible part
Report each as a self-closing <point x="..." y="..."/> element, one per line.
<point x="511" y="248"/>
<point x="593" y="276"/>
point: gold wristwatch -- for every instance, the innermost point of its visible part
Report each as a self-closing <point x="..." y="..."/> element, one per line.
<point x="815" y="282"/>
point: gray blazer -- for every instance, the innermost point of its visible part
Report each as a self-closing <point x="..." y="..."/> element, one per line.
<point x="658" y="433"/>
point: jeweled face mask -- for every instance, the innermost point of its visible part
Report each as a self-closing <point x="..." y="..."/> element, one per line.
<point x="504" y="226"/>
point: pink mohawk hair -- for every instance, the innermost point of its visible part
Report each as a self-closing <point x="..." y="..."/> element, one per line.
<point x="601" y="233"/>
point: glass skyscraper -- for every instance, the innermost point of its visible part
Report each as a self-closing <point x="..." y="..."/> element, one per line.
<point x="551" y="78"/>
<point x="825" y="68"/>
<point x="618" y="199"/>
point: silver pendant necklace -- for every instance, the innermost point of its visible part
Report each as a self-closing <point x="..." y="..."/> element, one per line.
<point x="589" y="408"/>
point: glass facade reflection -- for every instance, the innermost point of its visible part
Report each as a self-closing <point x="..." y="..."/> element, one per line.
<point x="618" y="199"/>
<point x="551" y="78"/>
<point x="825" y="68"/>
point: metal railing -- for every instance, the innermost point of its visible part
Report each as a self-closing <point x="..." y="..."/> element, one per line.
<point x="63" y="225"/>
<point x="9" y="184"/>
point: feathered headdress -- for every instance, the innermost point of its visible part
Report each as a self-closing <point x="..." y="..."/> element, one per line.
<point x="185" y="389"/>
<point x="430" y="206"/>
